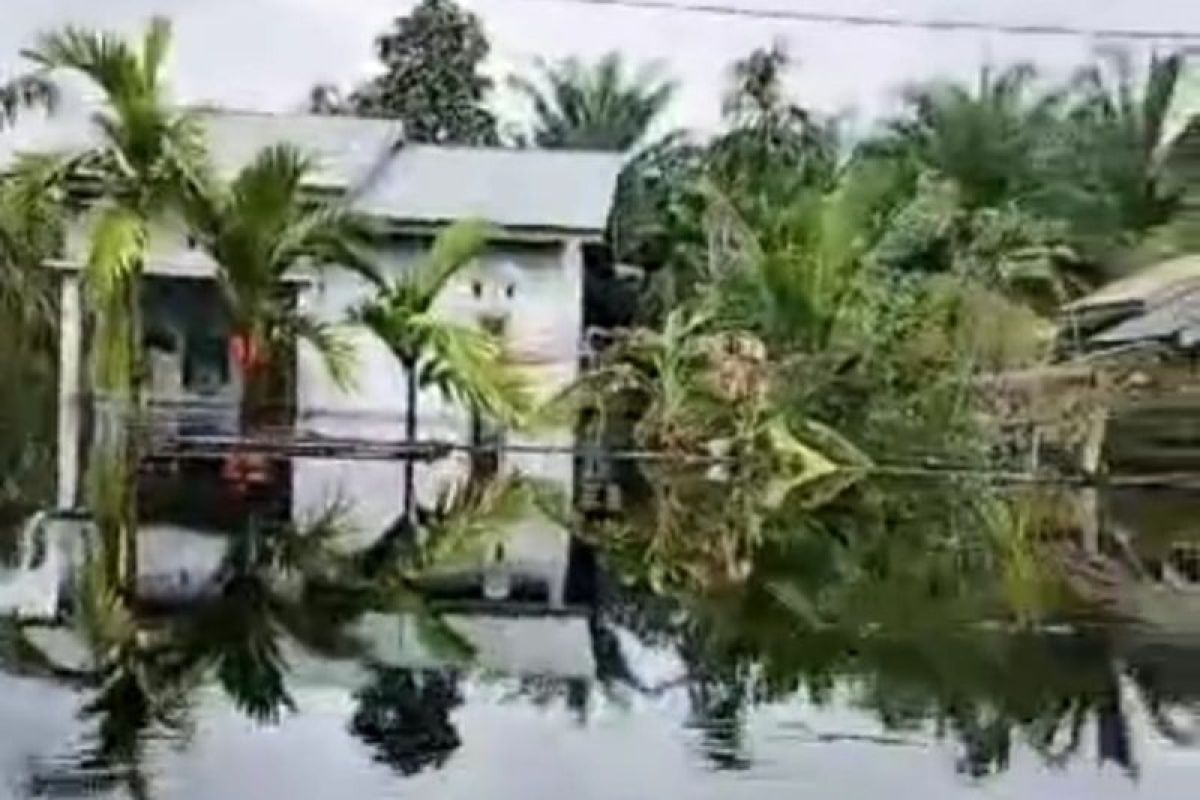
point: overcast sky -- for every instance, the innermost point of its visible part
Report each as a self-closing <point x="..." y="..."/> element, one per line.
<point x="266" y="54"/>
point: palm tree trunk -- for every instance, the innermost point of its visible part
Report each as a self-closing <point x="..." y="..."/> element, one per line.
<point x="410" y="436"/>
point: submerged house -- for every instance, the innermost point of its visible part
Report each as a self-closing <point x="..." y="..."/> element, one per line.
<point x="545" y="206"/>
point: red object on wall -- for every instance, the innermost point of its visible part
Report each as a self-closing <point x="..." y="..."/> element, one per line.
<point x="247" y="353"/>
<point x="245" y="470"/>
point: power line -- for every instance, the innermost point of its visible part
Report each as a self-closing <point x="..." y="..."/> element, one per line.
<point x="894" y="21"/>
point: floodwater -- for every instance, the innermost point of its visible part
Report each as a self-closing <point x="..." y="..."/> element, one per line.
<point x="691" y="639"/>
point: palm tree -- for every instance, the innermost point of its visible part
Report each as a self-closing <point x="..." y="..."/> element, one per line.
<point x="770" y="137"/>
<point x="601" y="106"/>
<point x="465" y="364"/>
<point x="147" y="152"/>
<point x="1120" y="144"/>
<point x="985" y="138"/>
<point x="261" y="229"/>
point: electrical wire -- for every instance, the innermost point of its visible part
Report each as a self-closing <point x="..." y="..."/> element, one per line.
<point x="1183" y="37"/>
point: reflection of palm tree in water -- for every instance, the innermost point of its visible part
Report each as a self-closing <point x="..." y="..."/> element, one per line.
<point x="404" y="717"/>
<point x="717" y="713"/>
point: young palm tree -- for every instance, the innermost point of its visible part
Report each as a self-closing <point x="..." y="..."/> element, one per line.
<point x="260" y="229"/>
<point x="146" y="152"/>
<point x="465" y="364"/>
<point x="599" y="106"/>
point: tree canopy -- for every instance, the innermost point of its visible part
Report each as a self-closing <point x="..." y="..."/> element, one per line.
<point x="600" y="106"/>
<point x="432" y="79"/>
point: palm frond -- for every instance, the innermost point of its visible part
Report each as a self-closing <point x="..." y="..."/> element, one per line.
<point x="469" y="367"/>
<point x="104" y="57"/>
<point x="331" y="237"/>
<point x="156" y="44"/>
<point x="104" y="618"/>
<point x="469" y="519"/>
<point x="119" y="241"/>
<point x="454" y="249"/>
<point x="332" y="343"/>
<point x="594" y="106"/>
<point x="118" y="248"/>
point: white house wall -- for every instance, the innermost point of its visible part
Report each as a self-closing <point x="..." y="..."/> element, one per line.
<point x="544" y="316"/>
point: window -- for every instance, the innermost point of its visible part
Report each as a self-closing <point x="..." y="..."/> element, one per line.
<point x="205" y="364"/>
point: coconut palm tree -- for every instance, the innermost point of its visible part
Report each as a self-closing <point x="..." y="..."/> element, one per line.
<point x="600" y="106"/>
<point x="147" y="152"/>
<point x="261" y="229"/>
<point x="466" y="365"/>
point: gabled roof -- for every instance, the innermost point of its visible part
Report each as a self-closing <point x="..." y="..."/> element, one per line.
<point x="520" y="190"/>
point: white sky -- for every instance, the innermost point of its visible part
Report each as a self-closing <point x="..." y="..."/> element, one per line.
<point x="266" y="54"/>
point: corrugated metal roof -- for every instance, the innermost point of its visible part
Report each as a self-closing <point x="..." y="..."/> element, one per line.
<point x="1148" y="287"/>
<point x="1176" y="319"/>
<point x="515" y="188"/>
<point x="422" y="184"/>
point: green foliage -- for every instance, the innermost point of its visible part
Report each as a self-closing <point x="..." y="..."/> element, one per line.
<point x="31" y="231"/>
<point x="433" y="80"/>
<point x="466" y="365"/>
<point x="986" y="139"/>
<point x="263" y="230"/>
<point x="594" y="106"/>
<point x="1115" y="149"/>
<point x="149" y="154"/>
<point x="770" y="139"/>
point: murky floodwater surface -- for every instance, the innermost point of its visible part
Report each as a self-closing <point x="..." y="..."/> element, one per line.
<point x="686" y="637"/>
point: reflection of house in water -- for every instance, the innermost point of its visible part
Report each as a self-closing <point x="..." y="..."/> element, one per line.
<point x="544" y="631"/>
<point x="1156" y="534"/>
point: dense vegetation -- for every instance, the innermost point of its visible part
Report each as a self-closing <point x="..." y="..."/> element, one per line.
<point x="814" y="310"/>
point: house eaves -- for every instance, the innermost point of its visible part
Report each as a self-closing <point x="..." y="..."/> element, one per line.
<point x="527" y="194"/>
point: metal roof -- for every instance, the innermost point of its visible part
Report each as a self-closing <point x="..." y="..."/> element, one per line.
<point x="1177" y="319"/>
<point x="1147" y="288"/>
<point x="518" y="189"/>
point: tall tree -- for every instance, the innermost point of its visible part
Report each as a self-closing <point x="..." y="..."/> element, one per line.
<point x="432" y="79"/>
<point x="600" y="106"/>
<point x="260" y="229"/>
<point x="147" y="152"/>
<point x="769" y="134"/>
